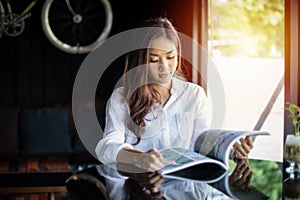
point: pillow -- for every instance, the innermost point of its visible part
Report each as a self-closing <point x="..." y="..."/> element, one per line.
<point x="78" y="146"/>
<point x="9" y="131"/>
<point x="45" y="131"/>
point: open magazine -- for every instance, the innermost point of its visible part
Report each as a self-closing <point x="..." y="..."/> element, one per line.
<point x="209" y="160"/>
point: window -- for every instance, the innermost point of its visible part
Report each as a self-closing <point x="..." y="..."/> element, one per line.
<point x="246" y="44"/>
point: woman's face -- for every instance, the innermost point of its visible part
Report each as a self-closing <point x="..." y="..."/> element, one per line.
<point x="163" y="60"/>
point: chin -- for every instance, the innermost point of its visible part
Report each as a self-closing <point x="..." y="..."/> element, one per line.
<point x="164" y="82"/>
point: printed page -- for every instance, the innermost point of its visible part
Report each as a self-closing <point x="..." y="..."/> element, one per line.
<point x="177" y="159"/>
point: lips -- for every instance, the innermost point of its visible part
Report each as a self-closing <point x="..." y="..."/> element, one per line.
<point x="163" y="75"/>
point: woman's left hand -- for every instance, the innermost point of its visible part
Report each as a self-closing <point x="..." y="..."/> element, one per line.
<point x="243" y="147"/>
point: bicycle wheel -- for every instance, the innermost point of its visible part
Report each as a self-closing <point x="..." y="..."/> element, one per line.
<point x="76" y="26"/>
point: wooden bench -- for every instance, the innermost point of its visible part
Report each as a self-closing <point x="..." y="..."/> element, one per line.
<point x="16" y="183"/>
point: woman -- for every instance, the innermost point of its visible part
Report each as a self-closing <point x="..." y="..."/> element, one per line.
<point x="156" y="108"/>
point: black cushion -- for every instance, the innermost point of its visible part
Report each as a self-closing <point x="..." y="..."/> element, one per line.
<point x="78" y="146"/>
<point x="45" y="131"/>
<point x="9" y="131"/>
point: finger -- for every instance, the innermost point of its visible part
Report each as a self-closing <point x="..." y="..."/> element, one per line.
<point x="156" y="153"/>
<point x="158" y="165"/>
<point x="154" y="189"/>
<point x="239" y="183"/>
<point x="246" y="178"/>
<point x="152" y="167"/>
<point x="243" y="168"/>
<point x="156" y="195"/>
<point x="239" y="165"/>
<point x="155" y="165"/>
<point x="239" y="174"/>
<point x="235" y="172"/>
<point x="158" y="162"/>
<point x="235" y="175"/>
<point x="158" y="182"/>
<point x="248" y="181"/>
<point x="247" y="148"/>
<point x="249" y="141"/>
<point x="154" y="182"/>
<point x="155" y="158"/>
<point x="239" y="151"/>
<point x="247" y="171"/>
<point x="154" y="179"/>
<point x="233" y="179"/>
<point x="239" y="155"/>
<point x="151" y="163"/>
<point x="152" y="174"/>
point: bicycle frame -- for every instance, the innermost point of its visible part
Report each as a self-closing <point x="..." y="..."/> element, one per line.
<point x="13" y="24"/>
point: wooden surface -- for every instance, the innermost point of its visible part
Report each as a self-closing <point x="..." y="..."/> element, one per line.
<point x="26" y="190"/>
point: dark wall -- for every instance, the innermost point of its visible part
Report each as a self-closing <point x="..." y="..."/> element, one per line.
<point x="34" y="73"/>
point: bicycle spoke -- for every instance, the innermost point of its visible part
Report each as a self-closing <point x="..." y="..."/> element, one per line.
<point x="61" y="5"/>
<point x="77" y="5"/>
<point x="59" y="19"/>
<point x="91" y="30"/>
<point x="91" y="17"/>
<point x="92" y="6"/>
<point x="73" y="31"/>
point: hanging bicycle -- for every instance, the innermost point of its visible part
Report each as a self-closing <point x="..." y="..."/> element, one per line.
<point x="73" y="26"/>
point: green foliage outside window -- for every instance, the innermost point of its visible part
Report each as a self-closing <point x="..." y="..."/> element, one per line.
<point x="247" y="28"/>
<point x="267" y="177"/>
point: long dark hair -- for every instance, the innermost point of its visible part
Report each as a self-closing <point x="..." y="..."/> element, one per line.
<point x="139" y="94"/>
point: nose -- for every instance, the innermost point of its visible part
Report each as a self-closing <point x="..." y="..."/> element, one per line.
<point x="163" y="65"/>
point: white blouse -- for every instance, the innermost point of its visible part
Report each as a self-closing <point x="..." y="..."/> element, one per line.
<point x="177" y="124"/>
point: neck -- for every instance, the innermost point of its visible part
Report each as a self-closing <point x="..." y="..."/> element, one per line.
<point x="164" y="91"/>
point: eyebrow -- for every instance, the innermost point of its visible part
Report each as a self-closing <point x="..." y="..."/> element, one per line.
<point x="153" y="54"/>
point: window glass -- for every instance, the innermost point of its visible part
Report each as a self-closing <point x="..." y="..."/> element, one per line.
<point x="246" y="44"/>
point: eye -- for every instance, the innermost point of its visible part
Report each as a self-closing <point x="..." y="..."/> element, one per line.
<point x="154" y="60"/>
<point x="171" y="57"/>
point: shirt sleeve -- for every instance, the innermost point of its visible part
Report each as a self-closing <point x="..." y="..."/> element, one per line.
<point x="114" y="133"/>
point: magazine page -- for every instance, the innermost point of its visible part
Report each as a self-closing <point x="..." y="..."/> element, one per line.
<point x="186" y="164"/>
<point x="217" y="143"/>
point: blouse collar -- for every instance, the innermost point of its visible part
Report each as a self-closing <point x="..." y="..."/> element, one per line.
<point x="177" y="85"/>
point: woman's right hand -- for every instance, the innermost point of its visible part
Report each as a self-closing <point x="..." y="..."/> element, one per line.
<point x="136" y="185"/>
<point x="145" y="168"/>
<point x="150" y="161"/>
